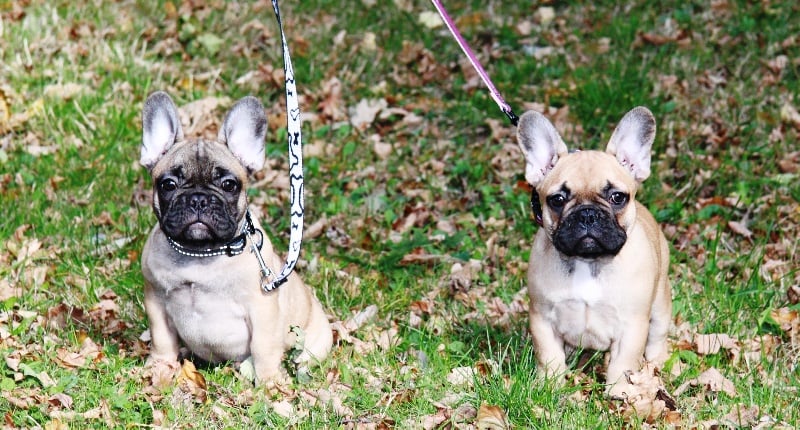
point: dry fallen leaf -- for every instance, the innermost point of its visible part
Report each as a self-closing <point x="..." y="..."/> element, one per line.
<point x="646" y="396"/>
<point x="790" y="115"/>
<point x="8" y="290"/>
<point x="362" y="317"/>
<point x="66" y="91"/>
<point x="192" y="382"/>
<point x="200" y="116"/>
<point x="464" y="375"/>
<point x="743" y="416"/>
<point x="87" y="356"/>
<point x="315" y="230"/>
<point x="430" y="19"/>
<point x="712" y="380"/>
<point x="382" y="149"/>
<point x="740" y="228"/>
<point x="431" y="421"/>
<point x="161" y="373"/>
<point x="793" y="294"/>
<point x="491" y="417"/>
<point x="705" y="344"/>
<point x="363" y="114"/>
<point x="544" y="15"/>
<point x="785" y="317"/>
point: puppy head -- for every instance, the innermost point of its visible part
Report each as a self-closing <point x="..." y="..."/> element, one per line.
<point x="587" y="197"/>
<point x="200" y="185"/>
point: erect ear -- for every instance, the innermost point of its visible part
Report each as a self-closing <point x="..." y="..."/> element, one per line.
<point x="632" y="141"/>
<point x="541" y="144"/>
<point x="243" y="131"/>
<point x="161" y="128"/>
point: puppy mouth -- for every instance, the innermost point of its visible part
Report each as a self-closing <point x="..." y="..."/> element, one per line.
<point x="589" y="233"/>
<point x="591" y="247"/>
<point x="198" y="231"/>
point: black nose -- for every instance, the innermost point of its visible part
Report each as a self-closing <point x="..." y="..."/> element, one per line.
<point x="588" y="216"/>
<point x="198" y="201"/>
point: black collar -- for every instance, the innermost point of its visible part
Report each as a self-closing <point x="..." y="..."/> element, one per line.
<point x="234" y="247"/>
<point x="536" y="206"/>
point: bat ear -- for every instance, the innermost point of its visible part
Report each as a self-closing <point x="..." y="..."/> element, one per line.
<point x="540" y="143"/>
<point x="632" y="142"/>
<point x="244" y="130"/>
<point x="160" y="128"/>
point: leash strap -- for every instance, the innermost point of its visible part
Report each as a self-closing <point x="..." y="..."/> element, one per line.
<point x="501" y="103"/>
<point x="536" y="205"/>
<point x="295" y="165"/>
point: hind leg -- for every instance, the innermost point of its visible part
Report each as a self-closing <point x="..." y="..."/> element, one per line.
<point x="319" y="337"/>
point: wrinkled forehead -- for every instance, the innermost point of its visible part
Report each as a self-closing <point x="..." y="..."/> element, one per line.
<point x="588" y="171"/>
<point x="200" y="157"/>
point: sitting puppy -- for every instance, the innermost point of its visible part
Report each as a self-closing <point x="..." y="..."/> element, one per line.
<point x="597" y="277"/>
<point x="202" y="278"/>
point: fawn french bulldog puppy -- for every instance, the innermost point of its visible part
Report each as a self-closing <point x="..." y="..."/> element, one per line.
<point x="598" y="269"/>
<point x="202" y="278"/>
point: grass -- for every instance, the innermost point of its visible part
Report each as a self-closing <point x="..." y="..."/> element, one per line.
<point x="72" y="83"/>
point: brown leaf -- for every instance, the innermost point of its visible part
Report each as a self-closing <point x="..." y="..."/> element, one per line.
<point x="56" y="424"/>
<point x="646" y="396"/>
<point x="7" y="290"/>
<point x="705" y="344"/>
<point x="790" y="115"/>
<point x="102" y="411"/>
<point x="790" y="163"/>
<point x="462" y="275"/>
<point x="192" y="382"/>
<point x="793" y="294"/>
<point x="740" y="228"/>
<point x="332" y="104"/>
<point x="160" y="373"/>
<point x="58" y="316"/>
<point x="419" y="256"/>
<point x="464" y="413"/>
<point x="60" y="400"/>
<point x="200" y="117"/>
<point x="66" y="91"/>
<point x="743" y="416"/>
<point x="363" y="114"/>
<point x="431" y="421"/>
<point x="315" y="230"/>
<point x="382" y="149"/>
<point x="88" y="354"/>
<point x="491" y="417"/>
<point x="362" y="317"/>
<point x="714" y="381"/>
<point x="22" y="398"/>
<point x="464" y="375"/>
<point x="785" y="317"/>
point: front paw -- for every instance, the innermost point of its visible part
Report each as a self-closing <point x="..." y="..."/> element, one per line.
<point x="270" y="376"/>
<point x="620" y="390"/>
<point x="274" y="383"/>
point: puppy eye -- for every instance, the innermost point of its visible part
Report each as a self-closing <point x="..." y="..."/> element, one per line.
<point x="556" y="201"/>
<point x="229" y="185"/>
<point x="618" y="198"/>
<point x="168" y="185"/>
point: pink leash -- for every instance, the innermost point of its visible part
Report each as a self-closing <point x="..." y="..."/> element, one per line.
<point x="536" y="206"/>
<point x="475" y="64"/>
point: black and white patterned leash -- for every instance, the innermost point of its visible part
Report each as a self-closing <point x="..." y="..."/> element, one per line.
<point x="295" y="173"/>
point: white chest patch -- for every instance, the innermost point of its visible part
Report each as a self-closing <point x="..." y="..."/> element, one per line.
<point x="585" y="287"/>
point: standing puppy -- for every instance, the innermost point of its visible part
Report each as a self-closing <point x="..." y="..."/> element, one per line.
<point x="202" y="278"/>
<point x="597" y="277"/>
